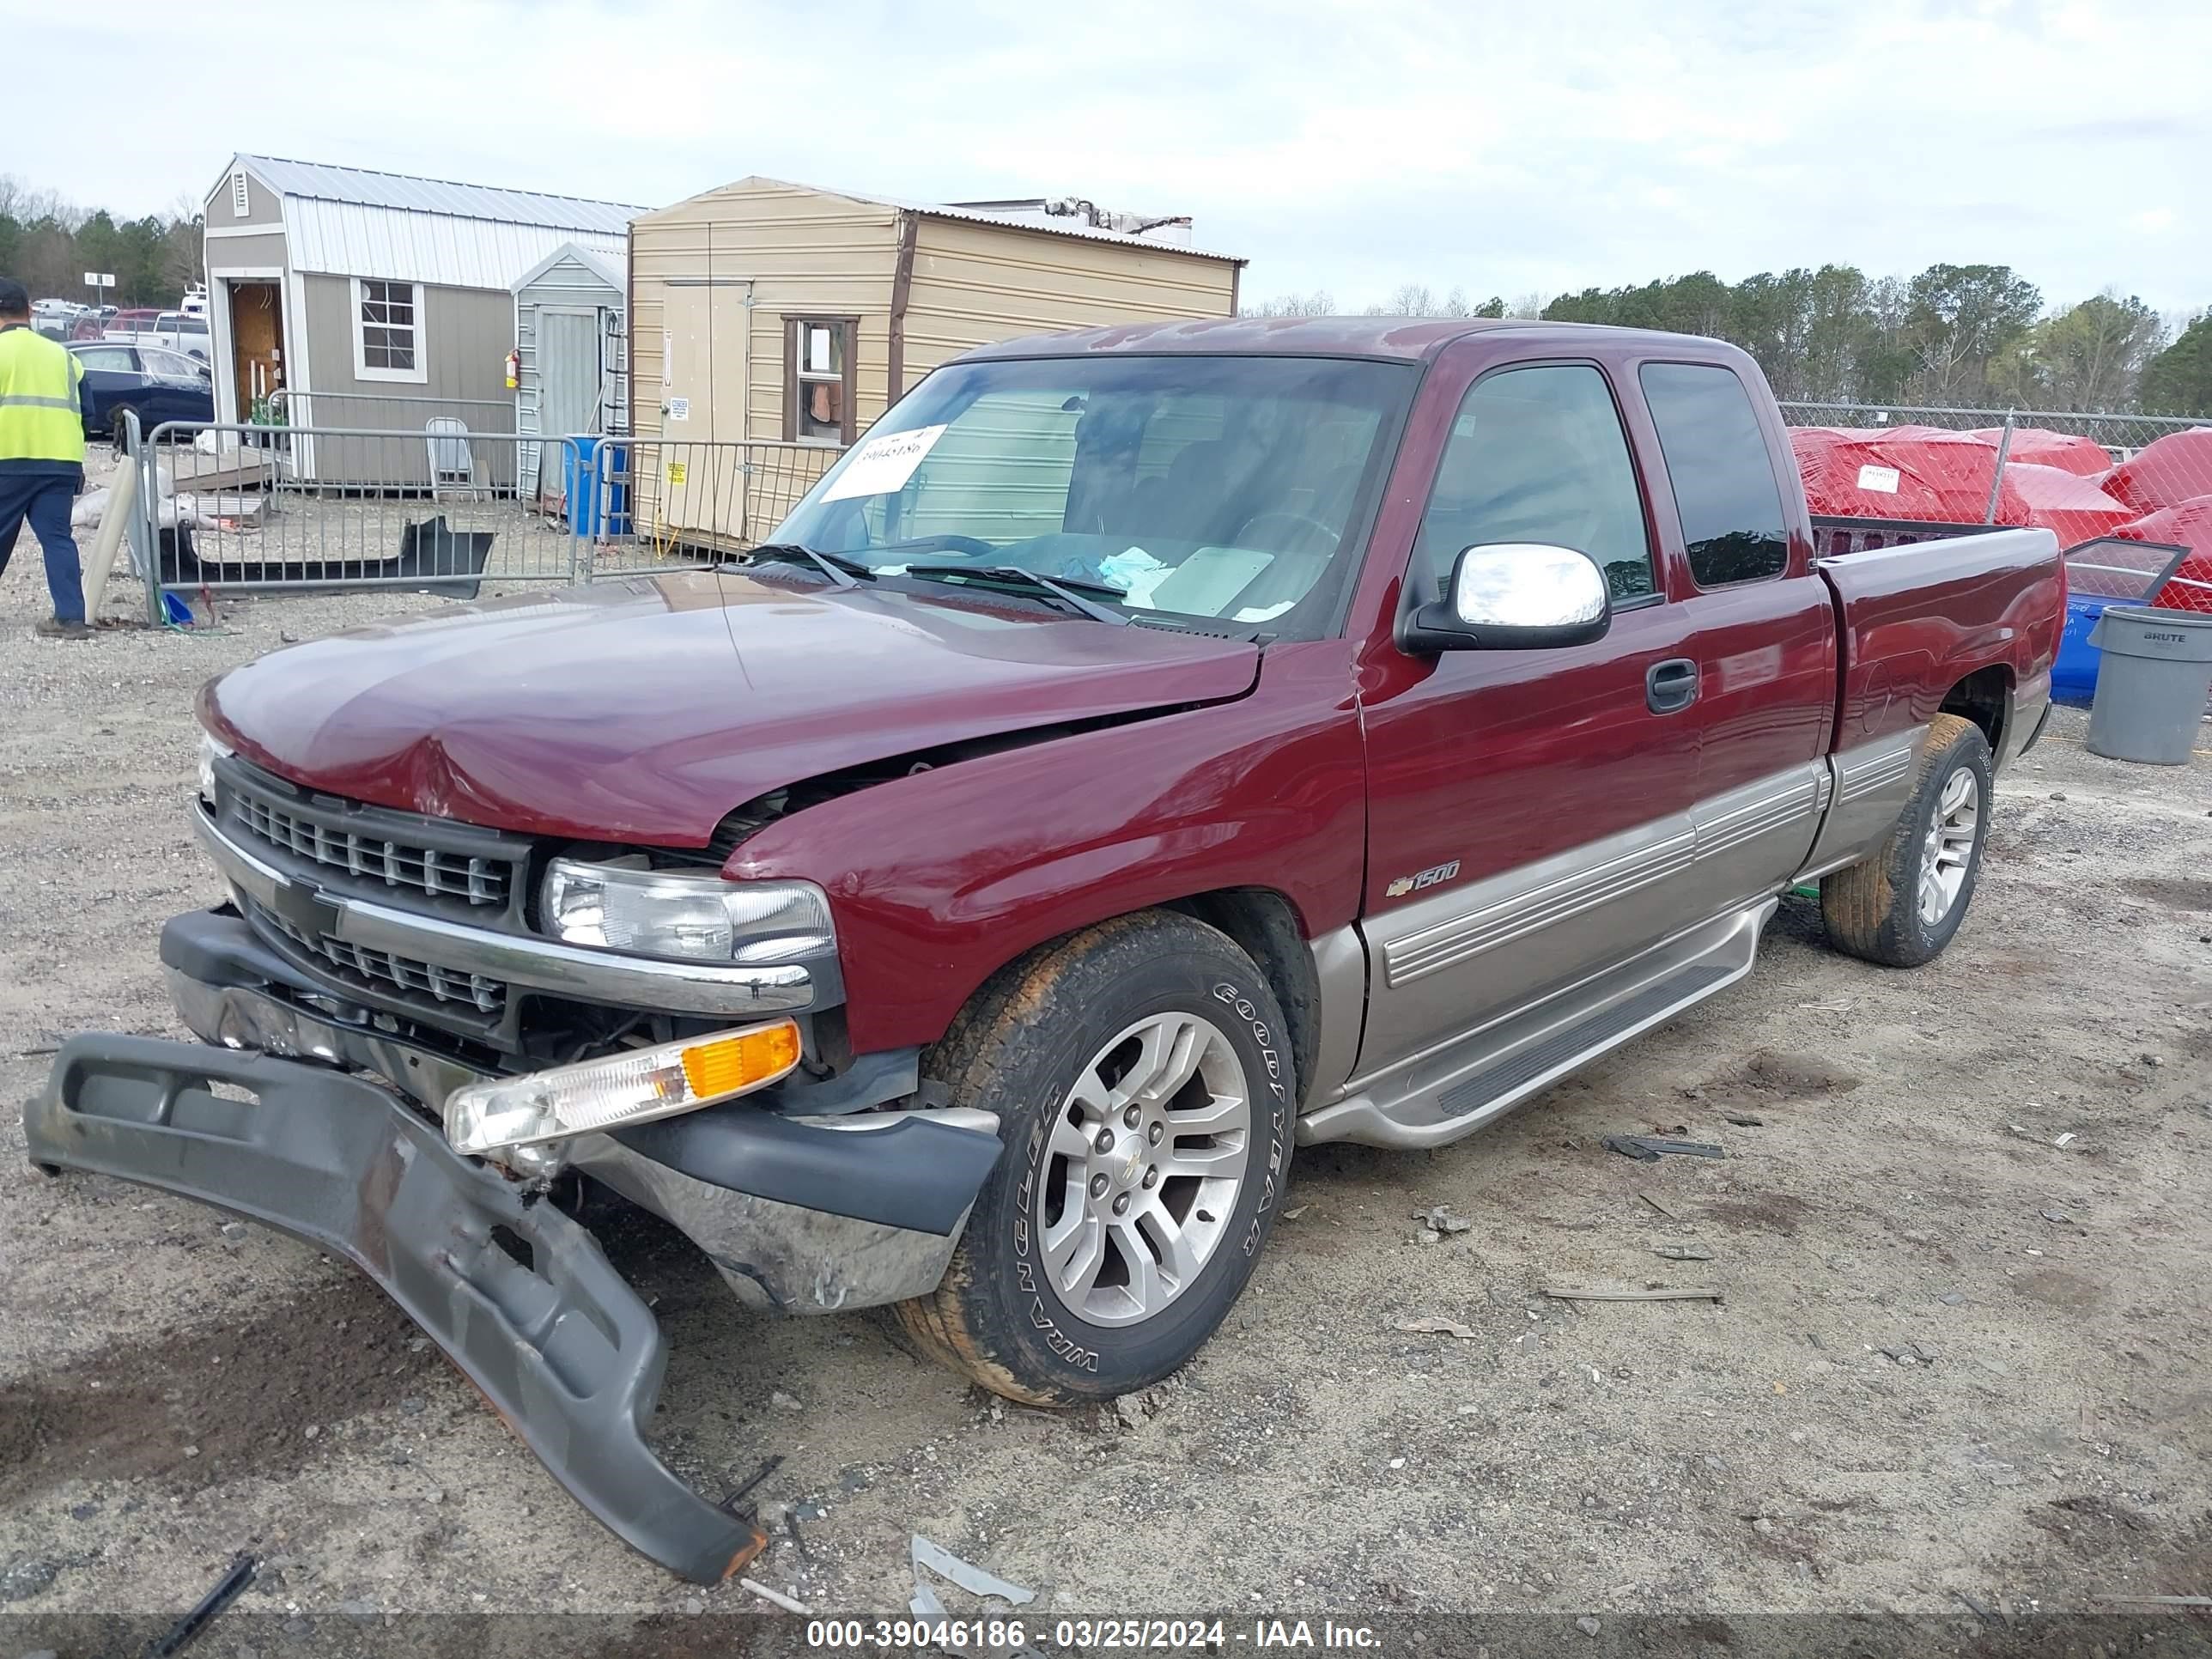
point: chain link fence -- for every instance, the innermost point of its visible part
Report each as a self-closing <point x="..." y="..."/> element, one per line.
<point x="2149" y="476"/>
<point x="2120" y="435"/>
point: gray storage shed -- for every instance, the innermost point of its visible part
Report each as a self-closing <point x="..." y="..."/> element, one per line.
<point x="378" y="300"/>
<point x="570" y="349"/>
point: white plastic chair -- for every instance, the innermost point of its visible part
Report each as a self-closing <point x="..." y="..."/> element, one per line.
<point x="453" y="457"/>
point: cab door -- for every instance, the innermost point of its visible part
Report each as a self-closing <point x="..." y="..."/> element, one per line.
<point x="1530" y="809"/>
<point x="1762" y="640"/>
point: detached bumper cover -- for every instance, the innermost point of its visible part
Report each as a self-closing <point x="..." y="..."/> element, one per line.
<point x="564" y="1350"/>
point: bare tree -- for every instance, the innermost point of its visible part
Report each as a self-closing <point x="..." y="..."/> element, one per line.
<point x="1319" y="303"/>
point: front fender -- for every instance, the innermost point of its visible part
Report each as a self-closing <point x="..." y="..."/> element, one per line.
<point x="939" y="879"/>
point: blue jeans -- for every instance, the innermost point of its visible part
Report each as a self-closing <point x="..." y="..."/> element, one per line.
<point x="45" y="499"/>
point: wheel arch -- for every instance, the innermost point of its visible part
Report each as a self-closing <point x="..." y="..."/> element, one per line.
<point x="1265" y="925"/>
<point x="1260" y="921"/>
<point x="1984" y="697"/>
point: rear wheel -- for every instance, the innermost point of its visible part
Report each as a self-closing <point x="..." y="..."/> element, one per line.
<point x="1901" y="907"/>
<point x="1142" y="1080"/>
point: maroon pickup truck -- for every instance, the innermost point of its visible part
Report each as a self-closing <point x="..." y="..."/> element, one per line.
<point x="1147" y="752"/>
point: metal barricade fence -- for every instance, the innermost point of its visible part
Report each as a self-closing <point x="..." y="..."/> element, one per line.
<point x="444" y="508"/>
<point x="231" y="507"/>
<point x="658" y="499"/>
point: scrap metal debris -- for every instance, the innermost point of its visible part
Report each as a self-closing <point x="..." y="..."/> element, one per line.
<point x="1649" y="1149"/>
<point x="190" y="1628"/>
<point x="1684" y="1252"/>
<point x="2162" y="1601"/>
<point x="777" y="1597"/>
<point x="1744" y="1120"/>
<point x="1909" y="1353"/>
<point x="1657" y="1206"/>
<point x="1443" y="1219"/>
<point x="1433" y="1327"/>
<point x="1980" y="1610"/>
<point x="1653" y="1294"/>
<point x="972" y="1578"/>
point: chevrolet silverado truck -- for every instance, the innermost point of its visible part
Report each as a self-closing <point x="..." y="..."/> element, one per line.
<point x="1149" y="751"/>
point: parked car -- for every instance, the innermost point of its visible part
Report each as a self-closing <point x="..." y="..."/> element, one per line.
<point x="56" y="319"/>
<point x="1150" y="750"/>
<point x="155" y="385"/>
<point x="172" y="329"/>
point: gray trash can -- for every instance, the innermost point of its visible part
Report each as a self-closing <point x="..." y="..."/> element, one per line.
<point x="2152" y="680"/>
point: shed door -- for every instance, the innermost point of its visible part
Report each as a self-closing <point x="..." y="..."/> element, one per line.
<point x="705" y="367"/>
<point x="568" y="386"/>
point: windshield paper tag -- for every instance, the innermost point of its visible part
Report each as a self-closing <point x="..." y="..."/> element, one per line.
<point x="882" y="466"/>
<point x="1883" y="479"/>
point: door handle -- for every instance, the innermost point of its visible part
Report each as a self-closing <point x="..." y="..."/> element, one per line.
<point x="1670" y="686"/>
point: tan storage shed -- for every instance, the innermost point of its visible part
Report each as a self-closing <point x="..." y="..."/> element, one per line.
<point x="789" y="317"/>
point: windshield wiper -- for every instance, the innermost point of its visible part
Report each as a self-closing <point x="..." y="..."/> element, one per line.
<point x="1069" y="590"/>
<point x="845" y="573"/>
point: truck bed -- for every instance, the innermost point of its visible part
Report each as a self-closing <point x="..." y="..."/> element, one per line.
<point x="1916" y="619"/>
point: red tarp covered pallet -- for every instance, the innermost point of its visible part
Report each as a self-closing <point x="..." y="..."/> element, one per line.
<point x="2188" y="525"/>
<point x="2177" y="468"/>
<point x="2040" y="446"/>
<point x="1925" y="475"/>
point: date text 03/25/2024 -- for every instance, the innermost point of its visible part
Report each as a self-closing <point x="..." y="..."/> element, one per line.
<point x="1088" y="1635"/>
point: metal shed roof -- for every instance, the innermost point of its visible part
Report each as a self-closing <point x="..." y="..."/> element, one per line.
<point x="362" y="187"/>
<point x="1011" y="221"/>
<point x="611" y="272"/>
<point x="353" y="222"/>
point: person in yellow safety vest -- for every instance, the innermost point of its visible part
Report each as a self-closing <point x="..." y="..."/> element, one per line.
<point x="42" y="419"/>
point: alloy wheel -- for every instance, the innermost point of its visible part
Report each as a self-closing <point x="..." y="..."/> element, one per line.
<point x="1949" y="850"/>
<point x="1143" y="1167"/>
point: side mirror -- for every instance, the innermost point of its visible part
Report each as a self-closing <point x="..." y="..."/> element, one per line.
<point x="1514" y="596"/>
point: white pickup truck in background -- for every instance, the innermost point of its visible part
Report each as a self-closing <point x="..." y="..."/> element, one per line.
<point x="173" y="330"/>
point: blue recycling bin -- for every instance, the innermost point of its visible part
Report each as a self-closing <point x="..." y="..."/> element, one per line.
<point x="595" y="507"/>
<point x="2074" y="676"/>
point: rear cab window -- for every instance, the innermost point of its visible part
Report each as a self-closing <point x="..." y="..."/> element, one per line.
<point x="1722" y="476"/>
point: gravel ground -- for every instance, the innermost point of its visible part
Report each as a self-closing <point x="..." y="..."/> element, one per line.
<point x="1954" y="1356"/>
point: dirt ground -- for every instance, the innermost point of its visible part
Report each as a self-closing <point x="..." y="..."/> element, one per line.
<point x="1961" y="1230"/>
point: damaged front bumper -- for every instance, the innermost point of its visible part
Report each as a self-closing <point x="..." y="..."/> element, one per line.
<point x="799" y="1215"/>
<point x="518" y="1294"/>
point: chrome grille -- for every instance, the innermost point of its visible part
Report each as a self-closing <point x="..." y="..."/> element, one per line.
<point x="480" y="881"/>
<point x="385" y="971"/>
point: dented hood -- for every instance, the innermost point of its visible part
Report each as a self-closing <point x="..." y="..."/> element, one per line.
<point x="644" y="710"/>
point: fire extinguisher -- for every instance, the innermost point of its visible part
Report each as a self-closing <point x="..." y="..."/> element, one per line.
<point x="513" y="369"/>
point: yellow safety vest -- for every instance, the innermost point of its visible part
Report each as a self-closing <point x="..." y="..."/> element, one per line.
<point x="41" y="419"/>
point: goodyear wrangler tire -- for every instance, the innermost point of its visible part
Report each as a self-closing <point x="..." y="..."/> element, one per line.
<point x="1142" y="1074"/>
<point x="1901" y="907"/>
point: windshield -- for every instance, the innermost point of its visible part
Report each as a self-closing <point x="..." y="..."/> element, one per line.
<point x="1225" y="489"/>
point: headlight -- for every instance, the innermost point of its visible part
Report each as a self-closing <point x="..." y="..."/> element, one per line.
<point x="652" y="913"/>
<point x="632" y="1087"/>
<point x="210" y="752"/>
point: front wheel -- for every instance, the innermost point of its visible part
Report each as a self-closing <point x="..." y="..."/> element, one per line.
<point x="1901" y="907"/>
<point x="1142" y="1074"/>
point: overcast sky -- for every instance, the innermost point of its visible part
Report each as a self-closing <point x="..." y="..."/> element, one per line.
<point x="1506" y="149"/>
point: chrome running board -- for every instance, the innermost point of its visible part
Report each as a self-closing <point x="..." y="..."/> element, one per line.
<point x="1475" y="1079"/>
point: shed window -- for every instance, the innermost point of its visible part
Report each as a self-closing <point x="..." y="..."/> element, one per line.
<point x="819" y="379"/>
<point x="387" y="330"/>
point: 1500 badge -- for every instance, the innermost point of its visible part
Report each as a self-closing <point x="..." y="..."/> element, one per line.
<point x="1430" y="877"/>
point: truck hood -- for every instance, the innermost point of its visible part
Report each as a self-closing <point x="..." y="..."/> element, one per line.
<point x="644" y="710"/>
